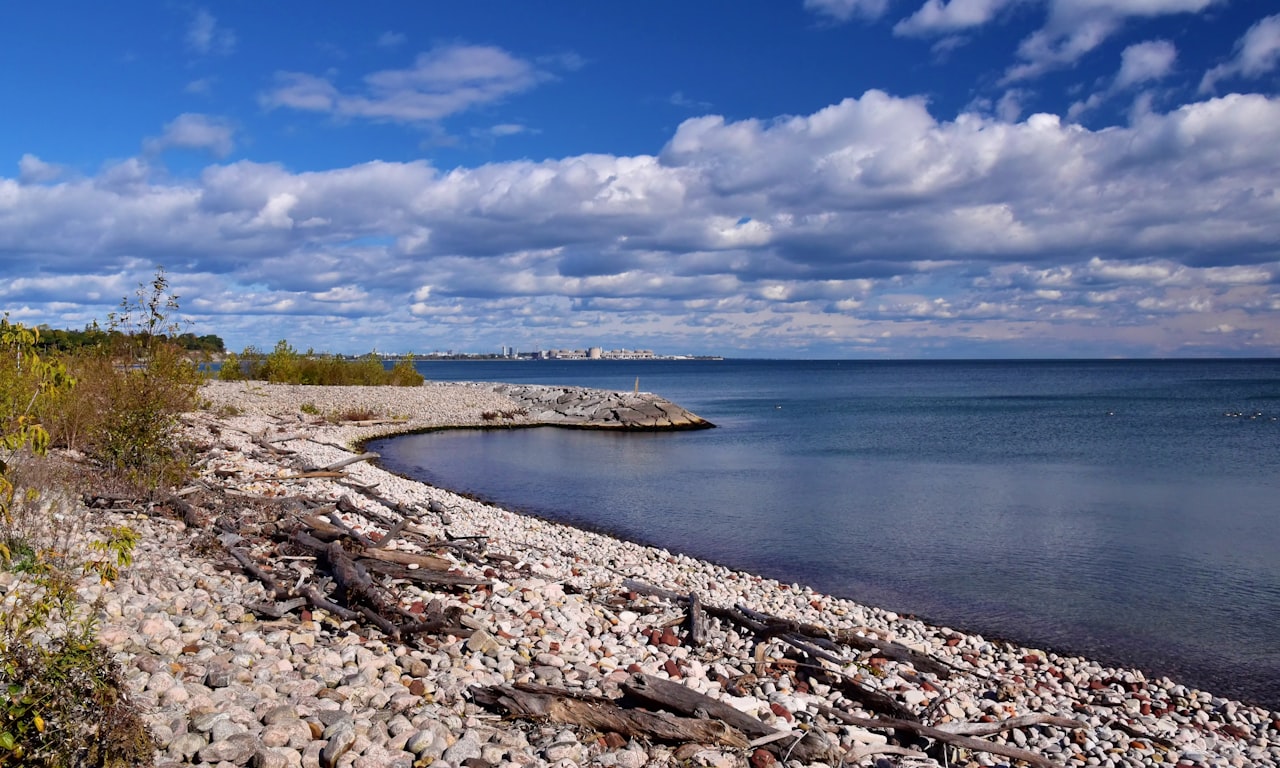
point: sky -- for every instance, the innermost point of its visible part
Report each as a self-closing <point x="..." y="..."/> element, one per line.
<point x="791" y="178"/>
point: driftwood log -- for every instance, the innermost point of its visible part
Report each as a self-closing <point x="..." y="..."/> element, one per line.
<point x="805" y="746"/>
<point x="946" y="737"/>
<point x="560" y="706"/>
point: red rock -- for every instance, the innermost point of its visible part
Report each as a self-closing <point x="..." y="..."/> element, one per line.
<point x="953" y="640"/>
<point x="417" y="607"/>
<point x="655" y="637"/>
<point x="668" y="637"/>
<point x="191" y="648"/>
<point x="762" y="758"/>
<point x="1031" y="659"/>
<point x="781" y="712"/>
<point x="532" y="614"/>
<point x="817" y="604"/>
<point x="1234" y="731"/>
<point x="554" y="646"/>
<point x="633" y="668"/>
<point x="925" y="685"/>
<point x="672" y="669"/>
<point x="1096" y="685"/>
<point x="614" y="740"/>
<point x="686" y="752"/>
<point x="489" y="573"/>
<point x="417" y="687"/>
<point x="1145" y="708"/>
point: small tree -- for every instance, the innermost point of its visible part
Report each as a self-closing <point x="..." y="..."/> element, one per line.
<point x="133" y="389"/>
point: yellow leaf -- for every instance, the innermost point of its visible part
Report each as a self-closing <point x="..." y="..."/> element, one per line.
<point x="39" y="723"/>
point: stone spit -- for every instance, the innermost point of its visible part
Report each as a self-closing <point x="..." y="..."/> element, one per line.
<point x="224" y="687"/>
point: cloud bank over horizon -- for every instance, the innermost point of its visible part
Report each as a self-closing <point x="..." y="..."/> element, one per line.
<point x="873" y="225"/>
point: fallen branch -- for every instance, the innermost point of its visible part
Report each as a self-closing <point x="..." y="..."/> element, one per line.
<point x="1008" y="724"/>
<point x="929" y="732"/>
<point x="559" y="706"/>
<point x="679" y="698"/>
<point x="347" y="462"/>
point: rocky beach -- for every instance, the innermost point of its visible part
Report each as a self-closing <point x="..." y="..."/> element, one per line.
<point x="555" y="646"/>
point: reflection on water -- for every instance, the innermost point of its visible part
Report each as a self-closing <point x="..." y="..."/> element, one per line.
<point x="1110" y="510"/>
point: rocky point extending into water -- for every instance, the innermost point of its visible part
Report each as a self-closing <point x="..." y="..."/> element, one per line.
<point x="232" y="673"/>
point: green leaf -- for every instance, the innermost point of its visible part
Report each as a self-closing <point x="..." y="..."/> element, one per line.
<point x="7" y="741"/>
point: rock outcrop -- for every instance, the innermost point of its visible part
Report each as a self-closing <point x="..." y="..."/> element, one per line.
<point x="600" y="408"/>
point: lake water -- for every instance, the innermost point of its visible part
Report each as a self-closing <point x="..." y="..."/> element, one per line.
<point x="1124" y="510"/>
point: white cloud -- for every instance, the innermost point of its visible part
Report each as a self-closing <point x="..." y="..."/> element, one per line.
<point x="33" y="170"/>
<point x="855" y="219"/>
<point x="843" y="10"/>
<point x="1139" y="63"/>
<point x="938" y="17"/>
<point x="200" y="86"/>
<point x="1142" y="62"/>
<point x="442" y="82"/>
<point x="1076" y="27"/>
<point x="204" y="36"/>
<point x="391" y="39"/>
<point x="505" y="129"/>
<point x="195" y="131"/>
<point x="1257" y="53"/>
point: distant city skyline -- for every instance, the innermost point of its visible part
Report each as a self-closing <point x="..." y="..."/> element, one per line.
<point x="767" y="178"/>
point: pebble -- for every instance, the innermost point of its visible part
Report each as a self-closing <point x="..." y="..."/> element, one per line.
<point x="227" y="687"/>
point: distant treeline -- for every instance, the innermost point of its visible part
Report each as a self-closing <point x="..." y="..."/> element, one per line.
<point x="53" y="339"/>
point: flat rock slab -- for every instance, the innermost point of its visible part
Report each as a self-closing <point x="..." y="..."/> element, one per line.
<point x="600" y="408"/>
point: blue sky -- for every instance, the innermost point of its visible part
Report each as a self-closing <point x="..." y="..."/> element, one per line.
<point x="818" y="178"/>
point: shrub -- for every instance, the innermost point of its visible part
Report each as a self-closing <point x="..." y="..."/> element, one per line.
<point x="286" y="365"/>
<point x="63" y="701"/>
<point x="124" y="413"/>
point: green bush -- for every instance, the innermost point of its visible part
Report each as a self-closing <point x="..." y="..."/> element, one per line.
<point x="124" y="413"/>
<point x="62" y="700"/>
<point x="286" y="365"/>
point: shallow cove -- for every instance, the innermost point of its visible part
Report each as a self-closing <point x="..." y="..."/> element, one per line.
<point x="1111" y="509"/>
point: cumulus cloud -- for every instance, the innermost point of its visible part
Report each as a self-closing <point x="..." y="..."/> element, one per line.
<point x="33" y="170"/>
<point x="843" y="10"/>
<point x="195" y="131"/>
<point x="1139" y="64"/>
<point x="1142" y="62"/>
<point x="1256" y="53"/>
<point x="205" y="36"/>
<point x="442" y="82"/>
<point x="848" y="222"/>
<point x="938" y="17"/>
<point x="1076" y="27"/>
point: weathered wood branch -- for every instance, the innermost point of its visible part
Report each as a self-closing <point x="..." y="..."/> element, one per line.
<point x="697" y="627"/>
<point x="347" y="462"/>
<point x="1009" y="724"/>
<point x="929" y="732"/>
<point x="558" y="706"/>
<point x="679" y="698"/>
<point x="763" y="625"/>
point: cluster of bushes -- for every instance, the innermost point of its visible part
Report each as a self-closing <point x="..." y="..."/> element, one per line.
<point x="285" y="365"/>
<point x="117" y="403"/>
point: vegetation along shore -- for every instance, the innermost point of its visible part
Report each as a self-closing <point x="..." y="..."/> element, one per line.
<point x="250" y="588"/>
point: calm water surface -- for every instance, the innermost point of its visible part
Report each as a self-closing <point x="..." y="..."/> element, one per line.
<point x="1120" y="510"/>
